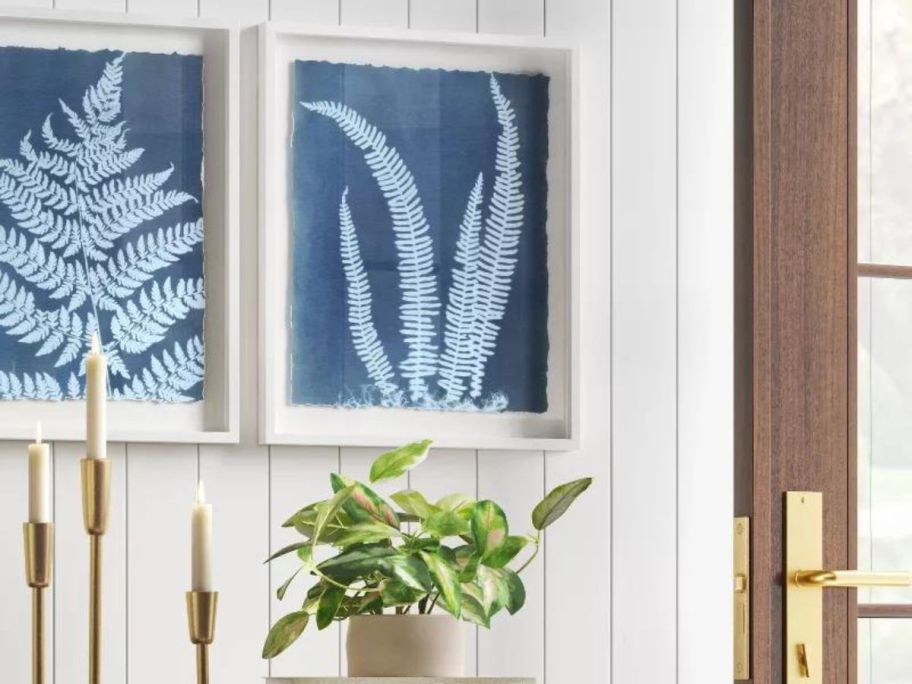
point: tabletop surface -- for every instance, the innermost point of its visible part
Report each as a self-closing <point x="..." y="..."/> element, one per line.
<point x="400" y="680"/>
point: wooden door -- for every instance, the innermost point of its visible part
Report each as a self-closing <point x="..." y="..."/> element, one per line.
<point x="797" y="229"/>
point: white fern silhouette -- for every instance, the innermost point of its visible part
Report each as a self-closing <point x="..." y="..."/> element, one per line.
<point x="503" y="226"/>
<point x="364" y="333"/>
<point x="73" y="207"/>
<point x="458" y="360"/>
<point x="420" y="302"/>
<point x="486" y="258"/>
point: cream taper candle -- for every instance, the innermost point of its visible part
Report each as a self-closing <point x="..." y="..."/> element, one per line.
<point x="201" y="526"/>
<point x="96" y="401"/>
<point x="39" y="480"/>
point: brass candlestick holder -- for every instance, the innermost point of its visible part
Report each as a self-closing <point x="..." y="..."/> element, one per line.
<point x="201" y="609"/>
<point x="96" y="490"/>
<point x="39" y="543"/>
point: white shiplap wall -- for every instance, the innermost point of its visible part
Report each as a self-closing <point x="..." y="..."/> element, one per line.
<point x="253" y="488"/>
<point x="632" y="586"/>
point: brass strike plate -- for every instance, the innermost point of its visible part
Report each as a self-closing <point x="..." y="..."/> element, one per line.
<point x="742" y="598"/>
<point x="803" y="605"/>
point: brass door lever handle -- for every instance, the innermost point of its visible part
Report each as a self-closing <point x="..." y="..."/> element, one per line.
<point x="825" y="579"/>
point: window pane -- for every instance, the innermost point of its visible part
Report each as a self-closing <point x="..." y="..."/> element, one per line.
<point x="884" y="651"/>
<point x="885" y="131"/>
<point x="885" y="432"/>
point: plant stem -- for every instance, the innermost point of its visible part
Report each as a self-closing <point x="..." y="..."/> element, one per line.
<point x="531" y="558"/>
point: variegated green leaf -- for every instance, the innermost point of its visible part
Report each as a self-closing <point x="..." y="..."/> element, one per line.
<point x="410" y="570"/>
<point x="396" y="593"/>
<point x="506" y="552"/>
<point x="516" y="590"/>
<point x="284" y="633"/>
<point x="445" y="524"/>
<point x="489" y="527"/>
<point x="394" y="463"/>
<point x="329" y="604"/>
<point x="558" y="500"/>
<point x="287" y="549"/>
<point x="281" y="591"/>
<point x="357" y="562"/>
<point x="454" y="502"/>
<point x="414" y="502"/>
<point x="328" y="510"/>
<point x="472" y="608"/>
<point x="364" y="502"/>
<point x="446" y="580"/>
<point x="366" y="532"/>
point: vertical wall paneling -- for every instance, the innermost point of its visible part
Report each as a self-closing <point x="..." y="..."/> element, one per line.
<point x="643" y="324"/>
<point x="40" y="4"/>
<point x="71" y="572"/>
<point x="573" y="654"/>
<point x="119" y="6"/>
<point x="383" y="13"/>
<point x="705" y="335"/>
<point x="161" y="484"/>
<point x="311" y="11"/>
<point x="447" y="471"/>
<point x="515" y="645"/>
<point x="237" y="477"/>
<point x="15" y="634"/>
<point x="512" y="16"/>
<point x="299" y="476"/>
<point x="443" y="15"/>
<point x="172" y="8"/>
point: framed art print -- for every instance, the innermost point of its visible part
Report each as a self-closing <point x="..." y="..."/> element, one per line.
<point x="115" y="220"/>
<point x="417" y="240"/>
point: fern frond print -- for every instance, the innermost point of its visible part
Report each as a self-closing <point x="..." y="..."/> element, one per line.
<point x="95" y="234"/>
<point x="417" y="280"/>
<point x="422" y="138"/>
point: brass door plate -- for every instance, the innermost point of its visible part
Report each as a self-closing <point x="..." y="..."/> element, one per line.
<point x="742" y="598"/>
<point x="803" y="605"/>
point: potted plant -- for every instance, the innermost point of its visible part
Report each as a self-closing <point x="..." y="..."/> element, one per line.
<point x="403" y="577"/>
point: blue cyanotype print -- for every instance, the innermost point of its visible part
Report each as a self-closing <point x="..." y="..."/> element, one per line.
<point x="420" y="269"/>
<point x="101" y="225"/>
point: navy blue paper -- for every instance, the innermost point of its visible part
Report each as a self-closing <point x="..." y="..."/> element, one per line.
<point x="420" y="275"/>
<point x="101" y="222"/>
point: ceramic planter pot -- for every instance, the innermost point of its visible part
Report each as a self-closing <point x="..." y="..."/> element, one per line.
<point x="405" y="646"/>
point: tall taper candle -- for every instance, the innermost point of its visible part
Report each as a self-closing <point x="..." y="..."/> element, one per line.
<point x="96" y="401"/>
<point x="39" y="480"/>
<point x="201" y="576"/>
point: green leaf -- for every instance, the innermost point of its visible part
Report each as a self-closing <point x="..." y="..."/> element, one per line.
<point x="558" y="500"/>
<point x="516" y="590"/>
<point x="395" y="593"/>
<point x="414" y="502"/>
<point x="286" y="550"/>
<point x="329" y="509"/>
<point x="489" y="527"/>
<point x="394" y="463"/>
<point x="445" y="524"/>
<point x="446" y="580"/>
<point x="500" y="557"/>
<point x="313" y="596"/>
<point x="494" y="591"/>
<point x="307" y="509"/>
<point x="454" y="502"/>
<point x="357" y="562"/>
<point x="364" y="503"/>
<point x="329" y="605"/>
<point x="280" y="592"/>
<point x="467" y="560"/>
<point x="284" y="633"/>
<point x="472" y="608"/>
<point x="411" y="571"/>
<point x="367" y="532"/>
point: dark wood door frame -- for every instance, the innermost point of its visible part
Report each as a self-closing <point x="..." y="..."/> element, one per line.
<point x="796" y="223"/>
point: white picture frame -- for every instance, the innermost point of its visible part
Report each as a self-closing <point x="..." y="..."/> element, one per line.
<point x="214" y="419"/>
<point x="283" y="423"/>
